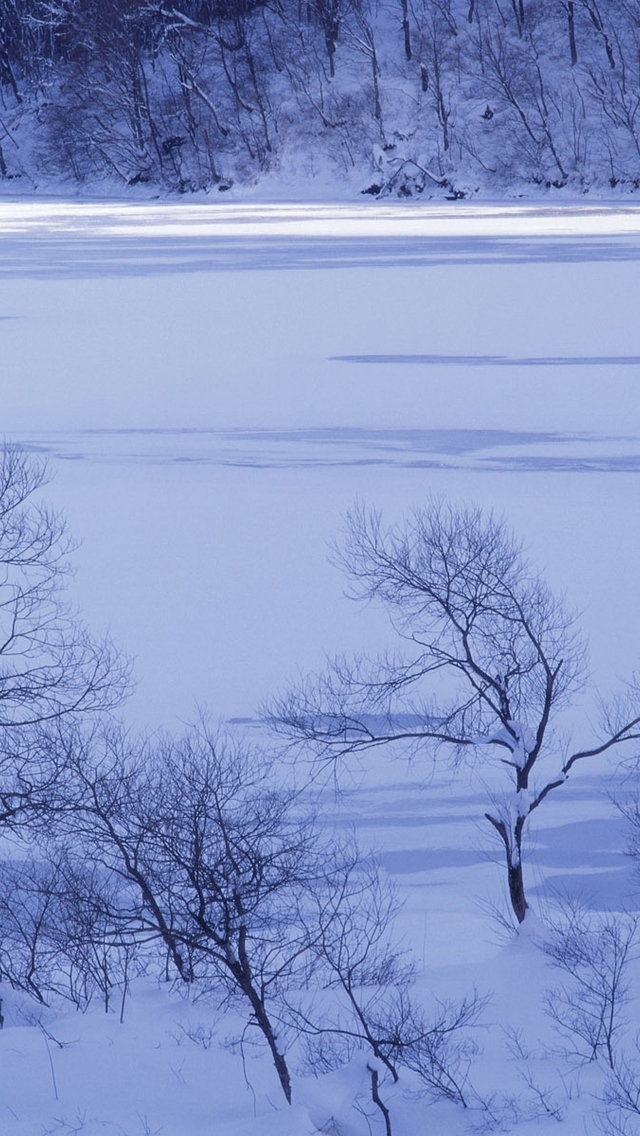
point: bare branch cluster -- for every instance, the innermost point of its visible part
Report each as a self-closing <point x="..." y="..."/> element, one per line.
<point x="186" y="856"/>
<point x="594" y="951"/>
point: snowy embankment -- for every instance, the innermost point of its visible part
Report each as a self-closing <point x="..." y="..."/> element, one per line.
<point x="213" y="387"/>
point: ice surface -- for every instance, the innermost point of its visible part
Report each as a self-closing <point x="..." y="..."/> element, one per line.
<point x="235" y="438"/>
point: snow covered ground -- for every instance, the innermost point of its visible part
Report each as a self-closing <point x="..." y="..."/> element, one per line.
<point x="213" y="387"/>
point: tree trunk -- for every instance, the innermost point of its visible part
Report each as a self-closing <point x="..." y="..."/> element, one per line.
<point x="375" y="1096"/>
<point x="241" y="970"/>
<point x="263" y="1022"/>
<point x="512" y="841"/>
<point x="406" y="29"/>
<point x="516" y="890"/>
<point x="572" y="34"/>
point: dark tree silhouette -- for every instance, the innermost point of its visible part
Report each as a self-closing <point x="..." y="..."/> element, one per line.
<point x="492" y="656"/>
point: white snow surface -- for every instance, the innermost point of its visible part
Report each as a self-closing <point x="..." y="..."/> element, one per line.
<point x="213" y="386"/>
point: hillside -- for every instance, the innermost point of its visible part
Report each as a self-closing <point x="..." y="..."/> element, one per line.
<point x="435" y="97"/>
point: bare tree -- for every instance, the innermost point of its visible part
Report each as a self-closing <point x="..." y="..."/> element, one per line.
<point x="621" y="1097"/>
<point x="437" y="46"/>
<point x="493" y="657"/>
<point x="367" y="1002"/>
<point x="62" y="930"/>
<point x="594" y="952"/>
<point x="348" y="916"/>
<point x="29" y="958"/>
<point x="216" y="854"/>
<point x="329" y="14"/>
<point x="191" y="847"/>
<point x="515" y="73"/>
<point x="50" y="667"/>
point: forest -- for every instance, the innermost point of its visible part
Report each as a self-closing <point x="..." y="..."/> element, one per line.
<point x="387" y="97"/>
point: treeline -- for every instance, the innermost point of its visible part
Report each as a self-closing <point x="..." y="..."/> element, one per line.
<point x="403" y="95"/>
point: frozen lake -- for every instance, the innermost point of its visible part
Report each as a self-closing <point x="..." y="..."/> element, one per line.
<point x="213" y="386"/>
